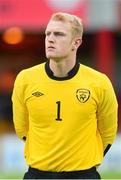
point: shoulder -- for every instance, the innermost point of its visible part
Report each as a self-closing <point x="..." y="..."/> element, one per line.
<point x="27" y="75"/>
<point x="90" y="71"/>
<point x="95" y="77"/>
<point x="32" y="69"/>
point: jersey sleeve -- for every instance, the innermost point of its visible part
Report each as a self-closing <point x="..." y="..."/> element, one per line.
<point x="107" y="114"/>
<point x="20" y="113"/>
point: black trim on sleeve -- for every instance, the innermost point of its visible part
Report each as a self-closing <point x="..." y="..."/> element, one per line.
<point x="24" y="138"/>
<point x="106" y="149"/>
<point x="71" y="73"/>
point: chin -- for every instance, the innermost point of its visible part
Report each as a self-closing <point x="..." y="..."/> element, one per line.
<point x="49" y="56"/>
<point x="54" y="58"/>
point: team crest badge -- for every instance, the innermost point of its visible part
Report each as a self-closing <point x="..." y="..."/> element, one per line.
<point x="82" y="95"/>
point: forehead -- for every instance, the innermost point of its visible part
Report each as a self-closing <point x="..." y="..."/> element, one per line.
<point x="58" y="26"/>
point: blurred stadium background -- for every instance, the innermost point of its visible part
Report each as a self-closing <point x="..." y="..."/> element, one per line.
<point x="22" y="25"/>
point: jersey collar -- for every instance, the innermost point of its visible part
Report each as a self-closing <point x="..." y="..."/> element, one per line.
<point x="71" y="73"/>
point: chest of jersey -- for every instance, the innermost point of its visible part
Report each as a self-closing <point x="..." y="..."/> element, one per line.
<point x="60" y="102"/>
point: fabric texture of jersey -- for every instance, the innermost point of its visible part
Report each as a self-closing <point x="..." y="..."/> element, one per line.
<point x="67" y="123"/>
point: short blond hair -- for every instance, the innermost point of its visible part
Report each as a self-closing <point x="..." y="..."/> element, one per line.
<point x="76" y="22"/>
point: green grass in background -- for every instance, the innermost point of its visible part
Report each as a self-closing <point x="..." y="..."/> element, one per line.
<point x="110" y="175"/>
<point x="11" y="175"/>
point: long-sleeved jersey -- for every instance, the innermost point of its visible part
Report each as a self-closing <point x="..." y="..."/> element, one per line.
<point x="67" y="122"/>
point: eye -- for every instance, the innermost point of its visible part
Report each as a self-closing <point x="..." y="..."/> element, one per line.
<point x="59" y="34"/>
<point x="47" y="33"/>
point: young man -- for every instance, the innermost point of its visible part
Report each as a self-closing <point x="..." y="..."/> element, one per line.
<point x="65" y="112"/>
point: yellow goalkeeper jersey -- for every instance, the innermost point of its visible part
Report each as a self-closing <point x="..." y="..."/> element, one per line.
<point x="67" y="122"/>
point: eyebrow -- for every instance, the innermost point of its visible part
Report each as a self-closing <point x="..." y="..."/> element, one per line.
<point x="55" y="32"/>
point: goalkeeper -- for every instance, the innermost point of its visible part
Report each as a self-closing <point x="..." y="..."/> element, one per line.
<point x="64" y="111"/>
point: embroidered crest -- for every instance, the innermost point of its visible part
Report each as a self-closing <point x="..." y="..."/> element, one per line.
<point x="37" y="94"/>
<point x="82" y="95"/>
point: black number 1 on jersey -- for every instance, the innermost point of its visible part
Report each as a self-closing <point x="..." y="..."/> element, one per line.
<point x="58" y="111"/>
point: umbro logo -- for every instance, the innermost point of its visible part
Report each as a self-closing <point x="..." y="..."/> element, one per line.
<point x="37" y="94"/>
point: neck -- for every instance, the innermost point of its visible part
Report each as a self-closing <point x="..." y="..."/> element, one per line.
<point x="61" y="68"/>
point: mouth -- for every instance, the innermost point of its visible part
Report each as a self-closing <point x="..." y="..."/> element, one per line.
<point x="50" y="47"/>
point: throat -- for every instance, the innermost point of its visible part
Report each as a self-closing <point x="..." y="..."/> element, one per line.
<point x="60" y="73"/>
<point x="61" y="69"/>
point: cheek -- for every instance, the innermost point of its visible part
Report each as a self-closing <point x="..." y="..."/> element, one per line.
<point x="66" y="45"/>
<point x="63" y="49"/>
<point x="66" y="48"/>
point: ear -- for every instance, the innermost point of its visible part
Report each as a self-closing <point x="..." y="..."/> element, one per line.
<point x="77" y="42"/>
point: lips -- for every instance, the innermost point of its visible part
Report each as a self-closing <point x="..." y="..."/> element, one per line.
<point x="50" y="47"/>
